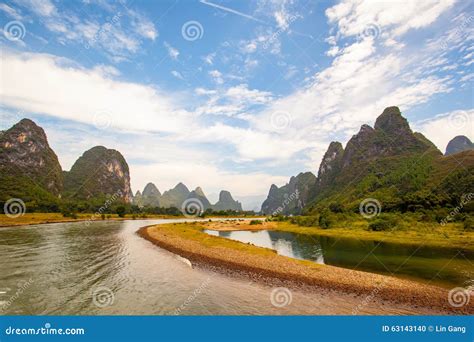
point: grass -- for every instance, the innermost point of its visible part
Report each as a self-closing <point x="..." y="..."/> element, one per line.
<point x="451" y="235"/>
<point x="194" y="231"/>
<point x="40" y="218"/>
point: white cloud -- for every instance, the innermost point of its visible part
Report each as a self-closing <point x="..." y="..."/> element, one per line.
<point x="145" y="28"/>
<point x="12" y="12"/>
<point x="118" y="35"/>
<point x="231" y="101"/>
<point x="209" y="59"/>
<point x="217" y="76"/>
<point x="172" y="52"/>
<point x="392" y="18"/>
<point x="41" y="83"/>
<point x="44" y="8"/>
<point x="443" y="127"/>
<point x="177" y="74"/>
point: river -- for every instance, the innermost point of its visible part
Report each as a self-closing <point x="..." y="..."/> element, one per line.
<point x="105" y="268"/>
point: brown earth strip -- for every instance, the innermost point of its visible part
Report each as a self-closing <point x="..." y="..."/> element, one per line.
<point x="188" y="241"/>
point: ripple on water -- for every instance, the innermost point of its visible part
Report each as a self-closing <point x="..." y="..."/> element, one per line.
<point x="68" y="261"/>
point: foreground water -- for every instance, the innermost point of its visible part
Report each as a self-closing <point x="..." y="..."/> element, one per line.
<point x="105" y="268"/>
<point x="441" y="266"/>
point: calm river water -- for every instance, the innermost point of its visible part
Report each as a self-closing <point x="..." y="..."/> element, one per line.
<point x="442" y="266"/>
<point x="105" y="268"/>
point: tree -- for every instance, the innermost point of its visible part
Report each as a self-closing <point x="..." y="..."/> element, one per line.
<point x="120" y="211"/>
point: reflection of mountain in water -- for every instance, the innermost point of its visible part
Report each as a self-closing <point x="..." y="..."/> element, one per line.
<point x="374" y="256"/>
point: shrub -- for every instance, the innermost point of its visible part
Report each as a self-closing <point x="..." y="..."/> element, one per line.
<point x="383" y="223"/>
<point x="120" y="211"/>
<point x="254" y="222"/>
<point x="336" y="207"/>
<point x="324" y="220"/>
<point x="305" y="221"/>
<point x="468" y="224"/>
<point x="102" y="216"/>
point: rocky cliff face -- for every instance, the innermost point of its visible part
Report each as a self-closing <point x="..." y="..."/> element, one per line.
<point x="226" y="202"/>
<point x="198" y="194"/>
<point x="26" y="156"/>
<point x="330" y="165"/>
<point x="292" y="197"/>
<point x="459" y="144"/>
<point x="174" y="197"/>
<point x="98" y="172"/>
<point x="390" y="136"/>
<point x="151" y="195"/>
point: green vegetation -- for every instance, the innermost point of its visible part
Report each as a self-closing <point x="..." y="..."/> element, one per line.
<point x="383" y="223"/>
<point x="408" y="228"/>
<point x="255" y="222"/>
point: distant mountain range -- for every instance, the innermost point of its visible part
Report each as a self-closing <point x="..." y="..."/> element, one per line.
<point x="151" y="196"/>
<point x="30" y="170"/>
<point x="400" y="168"/>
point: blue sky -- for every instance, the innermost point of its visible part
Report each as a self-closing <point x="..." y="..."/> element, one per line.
<point x="232" y="95"/>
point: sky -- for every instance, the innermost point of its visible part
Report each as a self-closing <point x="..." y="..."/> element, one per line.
<point x="232" y="95"/>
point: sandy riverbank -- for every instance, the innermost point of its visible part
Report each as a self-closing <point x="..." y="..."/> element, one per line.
<point x="188" y="241"/>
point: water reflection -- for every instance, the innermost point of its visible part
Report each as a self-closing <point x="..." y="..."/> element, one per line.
<point x="446" y="267"/>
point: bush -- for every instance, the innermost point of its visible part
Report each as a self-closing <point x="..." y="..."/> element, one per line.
<point x="254" y="222"/>
<point x="468" y="224"/>
<point x="336" y="207"/>
<point x="102" y="216"/>
<point x="120" y="211"/>
<point x="324" y="220"/>
<point x="383" y="223"/>
<point x="305" y="221"/>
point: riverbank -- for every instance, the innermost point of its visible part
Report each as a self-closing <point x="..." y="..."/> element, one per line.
<point x="29" y="219"/>
<point x="189" y="241"/>
<point x="451" y="235"/>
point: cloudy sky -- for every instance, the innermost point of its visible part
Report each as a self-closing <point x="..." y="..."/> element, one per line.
<point x="230" y="94"/>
